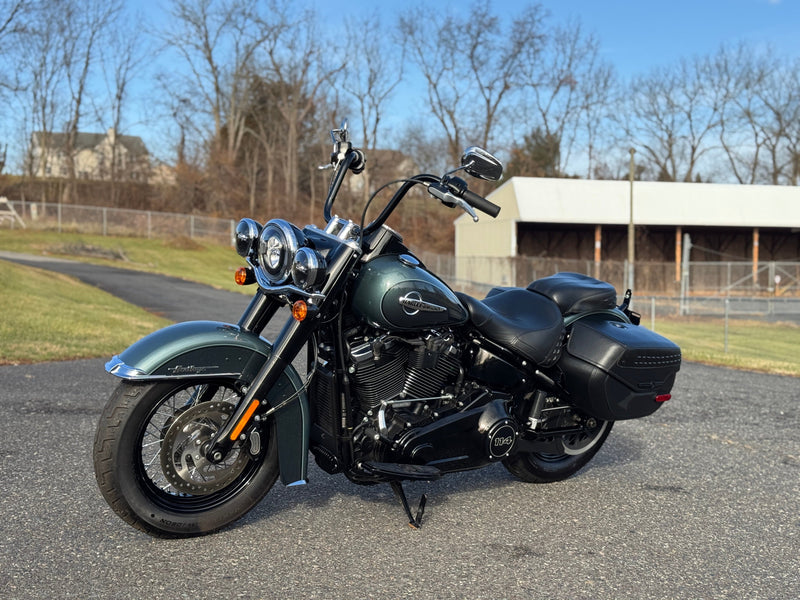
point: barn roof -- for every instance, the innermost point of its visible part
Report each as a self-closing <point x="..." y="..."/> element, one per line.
<point x="544" y="200"/>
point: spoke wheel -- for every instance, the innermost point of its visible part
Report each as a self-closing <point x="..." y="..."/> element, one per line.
<point x="150" y="463"/>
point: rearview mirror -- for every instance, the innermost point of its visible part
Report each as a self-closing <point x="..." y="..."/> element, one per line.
<point x="480" y="164"/>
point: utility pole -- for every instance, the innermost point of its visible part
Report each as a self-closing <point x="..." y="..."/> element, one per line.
<point x="631" y="238"/>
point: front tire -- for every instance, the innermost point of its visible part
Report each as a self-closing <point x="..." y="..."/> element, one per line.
<point x="574" y="453"/>
<point x="149" y="466"/>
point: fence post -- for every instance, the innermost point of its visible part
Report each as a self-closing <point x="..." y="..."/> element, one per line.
<point x="652" y="313"/>
<point x="191" y="226"/>
<point x="727" y="304"/>
<point x="687" y="248"/>
<point x="149" y="225"/>
<point x="105" y="221"/>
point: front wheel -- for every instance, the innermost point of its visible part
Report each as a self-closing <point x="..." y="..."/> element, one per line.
<point x="574" y="452"/>
<point x="149" y="463"/>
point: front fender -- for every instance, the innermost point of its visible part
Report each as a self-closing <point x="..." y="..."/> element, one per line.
<point x="197" y="350"/>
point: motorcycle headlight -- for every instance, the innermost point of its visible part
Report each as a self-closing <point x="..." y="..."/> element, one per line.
<point x="308" y="268"/>
<point x="277" y="245"/>
<point x="247" y="232"/>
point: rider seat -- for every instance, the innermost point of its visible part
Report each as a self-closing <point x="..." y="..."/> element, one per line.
<point x="526" y="323"/>
<point x="576" y="293"/>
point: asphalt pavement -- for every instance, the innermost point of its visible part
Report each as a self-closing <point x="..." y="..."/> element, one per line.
<point x="699" y="500"/>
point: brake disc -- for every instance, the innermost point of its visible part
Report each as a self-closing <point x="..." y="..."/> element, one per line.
<point x="182" y="459"/>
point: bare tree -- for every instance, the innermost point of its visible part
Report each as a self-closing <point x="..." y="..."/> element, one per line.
<point x="372" y="73"/>
<point x="121" y="60"/>
<point x="777" y="121"/>
<point x="472" y="65"/>
<point x="300" y="68"/>
<point x="760" y="114"/>
<point x="40" y="94"/>
<point x="86" y="25"/>
<point x="740" y="136"/>
<point x="568" y="85"/>
<point x="671" y="115"/>
<point x="217" y="41"/>
<point x="13" y="15"/>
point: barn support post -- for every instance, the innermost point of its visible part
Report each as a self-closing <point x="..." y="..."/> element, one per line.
<point x="598" y="244"/>
<point x="755" y="257"/>
<point x="678" y="252"/>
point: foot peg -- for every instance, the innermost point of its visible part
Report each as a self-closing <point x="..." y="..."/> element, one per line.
<point x="415" y="522"/>
<point x="401" y="471"/>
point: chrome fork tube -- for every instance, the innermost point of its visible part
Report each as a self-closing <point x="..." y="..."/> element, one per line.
<point x="258" y="313"/>
<point x="288" y="344"/>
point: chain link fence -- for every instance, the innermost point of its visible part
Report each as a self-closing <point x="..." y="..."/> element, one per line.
<point x="122" y="221"/>
<point x="764" y="290"/>
<point x="739" y="290"/>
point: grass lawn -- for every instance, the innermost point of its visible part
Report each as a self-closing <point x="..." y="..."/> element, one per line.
<point x="211" y="264"/>
<point x="47" y="316"/>
<point x="752" y="345"/>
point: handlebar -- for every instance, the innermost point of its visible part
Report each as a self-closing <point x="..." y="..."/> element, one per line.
<point x="481" y="203"/>
<point x="458" y="187"/>
<point x="452" y="191"/>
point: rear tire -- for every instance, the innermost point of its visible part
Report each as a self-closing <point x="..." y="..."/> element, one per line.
<point x="149" y="473"/>
<point x="535" y="467"/>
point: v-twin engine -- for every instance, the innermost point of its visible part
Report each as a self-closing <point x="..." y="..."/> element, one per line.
<point x="388" y="368"/>
<point x="416" y="405"/>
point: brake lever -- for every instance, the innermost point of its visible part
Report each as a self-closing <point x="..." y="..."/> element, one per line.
<point x="452" y="200"/>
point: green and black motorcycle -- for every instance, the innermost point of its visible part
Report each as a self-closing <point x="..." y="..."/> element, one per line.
<point x="404" y="379"/>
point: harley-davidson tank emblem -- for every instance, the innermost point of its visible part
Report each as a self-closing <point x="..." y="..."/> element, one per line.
<point x="413" y="303"/>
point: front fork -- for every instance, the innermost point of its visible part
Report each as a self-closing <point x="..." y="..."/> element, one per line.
<point x="287" y="346"/>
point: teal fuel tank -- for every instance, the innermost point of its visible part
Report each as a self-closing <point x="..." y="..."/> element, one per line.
<point x="394" y="292"/>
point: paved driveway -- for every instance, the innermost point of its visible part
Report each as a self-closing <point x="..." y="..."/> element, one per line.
<point x="700" y="500"/>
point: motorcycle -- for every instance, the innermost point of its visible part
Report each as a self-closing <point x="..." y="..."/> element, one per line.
<point x="405" y="378"/>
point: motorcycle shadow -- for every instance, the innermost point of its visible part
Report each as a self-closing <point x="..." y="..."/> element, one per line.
<point x="335" y="497"/>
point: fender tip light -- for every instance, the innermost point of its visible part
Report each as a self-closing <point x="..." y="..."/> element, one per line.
<point x="300" y="310"/>
<point x="663" y="397"/>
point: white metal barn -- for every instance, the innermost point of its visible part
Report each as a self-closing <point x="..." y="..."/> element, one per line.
<point x="588" y="220"/>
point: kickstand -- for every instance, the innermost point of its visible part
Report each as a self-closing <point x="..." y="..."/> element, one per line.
<point x="413" y="522"/>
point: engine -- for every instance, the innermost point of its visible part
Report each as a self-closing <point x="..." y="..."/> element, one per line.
<point x="417" y="405"/>
<point x="390" y="368"/>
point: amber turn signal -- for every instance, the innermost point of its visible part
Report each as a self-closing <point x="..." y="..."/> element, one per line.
<point x="300" y="310"/>
<point x="244" y="276"/>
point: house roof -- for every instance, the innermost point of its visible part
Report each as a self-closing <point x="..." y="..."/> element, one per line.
<point x="545" y="200"/>
<point x="87" y="141"/>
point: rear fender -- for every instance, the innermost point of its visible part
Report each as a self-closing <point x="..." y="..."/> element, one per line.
<point x="197" y="350"/>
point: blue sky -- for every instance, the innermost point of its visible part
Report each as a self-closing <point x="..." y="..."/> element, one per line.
<point x="638" y="34"/>
<point x="635" y="36"/>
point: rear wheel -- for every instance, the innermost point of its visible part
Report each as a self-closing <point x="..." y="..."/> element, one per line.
<point x="150" y="466"/>
<point x="573" y="453"/>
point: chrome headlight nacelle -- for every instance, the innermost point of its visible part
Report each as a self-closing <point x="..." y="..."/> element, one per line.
<point x="278" y="242"/>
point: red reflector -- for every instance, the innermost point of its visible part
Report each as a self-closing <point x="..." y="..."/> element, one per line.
<point x="663" y="397"/>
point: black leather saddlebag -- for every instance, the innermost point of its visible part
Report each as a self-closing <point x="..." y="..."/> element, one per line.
<point x="616" y="371"/>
